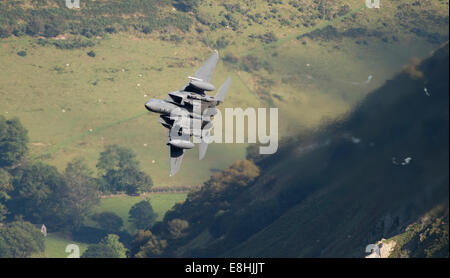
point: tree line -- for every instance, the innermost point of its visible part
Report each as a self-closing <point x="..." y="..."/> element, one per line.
<point x="35" y="192"/>
<point x="204" y="207"/>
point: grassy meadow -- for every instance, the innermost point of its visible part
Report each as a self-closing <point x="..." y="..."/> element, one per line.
<point x="161" y="202"/>
<point x="55" y="246"/>
<point x="55" y="243"/>
<point x="74" y="105"/>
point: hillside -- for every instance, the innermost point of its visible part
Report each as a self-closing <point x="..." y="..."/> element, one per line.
<point x="425" y="237"/>
<point x="311" y="59"/>
<point x="380" y="172"/>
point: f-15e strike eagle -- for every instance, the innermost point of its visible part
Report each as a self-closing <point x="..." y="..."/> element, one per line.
<point x="189" y="111"/>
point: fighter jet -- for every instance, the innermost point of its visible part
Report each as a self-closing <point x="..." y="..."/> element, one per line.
<point x="184" y="110"/>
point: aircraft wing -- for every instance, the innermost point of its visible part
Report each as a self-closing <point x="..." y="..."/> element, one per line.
<point x="205" y="72"/>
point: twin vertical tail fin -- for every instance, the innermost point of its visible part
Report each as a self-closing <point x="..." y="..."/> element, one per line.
<point x="220" y="96"/>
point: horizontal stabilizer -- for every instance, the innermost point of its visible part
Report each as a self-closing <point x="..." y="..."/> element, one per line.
<point x="203" y="146"/>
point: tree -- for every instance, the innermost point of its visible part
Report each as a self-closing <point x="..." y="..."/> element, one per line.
<point x="136" y="181"/>
<point x="139" y="240"/>
<point x="13" y="141"/>
<point x="35" y="27"/>
<point x="177" y="227"/>
<point x="205" y="206"/>
<point x="116" y="158"/>
<point x="4" y="248"/>
<point x="240" y="174"/>
<point x="38" y="194"/>
<point x="5" y="31"/>
<point x="54" y="26"/>
<point x="108" y="221"/>
<point x="142" y="215"/>
<point x="108" y="247"/>
<point x="113" y="242"/>
<point x="5" y="185"/>
<point x="153" y="246"/>
<point x="3" y="213"/>
<point x="43" y="195"/>
<point x="82" y="192"/>
<point x="130" y="180"/>
<point x="120" y="171"/>
<point x="20" y="240"/>
<point x="98" y="251"/>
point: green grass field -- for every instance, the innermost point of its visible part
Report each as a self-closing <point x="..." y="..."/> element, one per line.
<point x="161" y="202"/>
<point x="63" y="106"/>
<point x="55" y="244"/>
<point x="74" y="105"/>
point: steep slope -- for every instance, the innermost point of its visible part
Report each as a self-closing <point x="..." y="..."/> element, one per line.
<point x="427" y="237"/>
<point x="358" y="180"/>
<point x="369" y="194"/>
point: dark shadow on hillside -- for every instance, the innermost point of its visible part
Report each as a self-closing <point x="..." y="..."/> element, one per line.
<point x="330" y="194"/>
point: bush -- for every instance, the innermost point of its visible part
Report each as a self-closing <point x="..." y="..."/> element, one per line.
<point x="91" y="54"/>
<point x="5" y="32"/>
<point x="110" y="30"/>
<point x="186" y="5"/>
<point x="20" y="239"/>
<point x="177" y="228"/>
<point x="230" y="58"/>
<point x="147" y="29"/>
<point x="54" y="27"/>
<point x="22" y="53"/>
<point x="268" y="37"/>
<point x="222" y="42"/>
<point x="147" y="245"/>
<point x="35" y="27"/>
<point x="108" y="247"/>
<point x="175" y="38"/>
<point x="67" y="44"/>
<point x="250" y="63"/>
<point x="99" y="251"/>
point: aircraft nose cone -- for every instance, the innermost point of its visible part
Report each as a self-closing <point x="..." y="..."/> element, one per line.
<point x="150" y="105"/>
